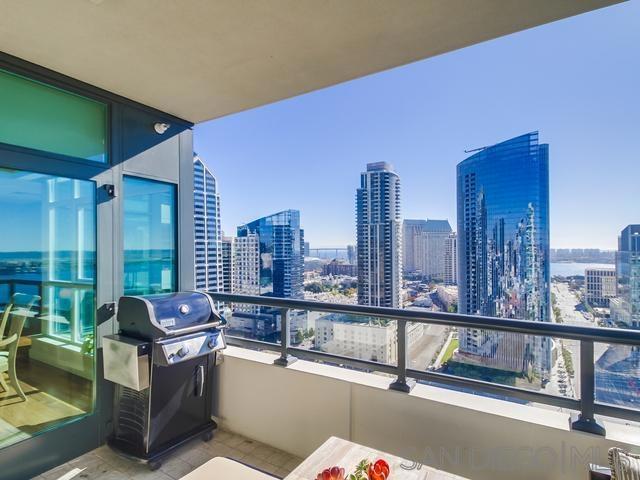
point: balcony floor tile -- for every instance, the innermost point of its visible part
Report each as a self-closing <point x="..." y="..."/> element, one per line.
<point x="105" y="464"/>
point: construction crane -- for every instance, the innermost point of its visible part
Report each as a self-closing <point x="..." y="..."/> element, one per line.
<point x="476" y="149"/>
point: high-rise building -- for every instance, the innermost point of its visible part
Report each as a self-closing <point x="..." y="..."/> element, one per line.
<point x="423" y="247"/>
<point x="618" y="368"/>
<point x="281" y="247"/>
<point x="226" y="264"/>
<point x="628" y="276"/>
<point x="451" y="259"/>
<point x="307" y="249"/>
<point x="436" y="234"/>
<point x="246" y="265"/>
<point x="351" y="254"/>
<point x="599" y="286"/>
<point x="503" y="260"/>
<point x="379" y="235"/>
<point x="208" y="233"/>
<point x="413" y="247"/>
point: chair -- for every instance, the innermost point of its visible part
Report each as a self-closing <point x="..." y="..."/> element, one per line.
<point x="8" y="362"/>
<point x="9" y="345"/>
<point x="17" y="300"/>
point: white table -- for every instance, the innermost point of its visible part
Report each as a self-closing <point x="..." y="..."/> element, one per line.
<point x="342" y="453"/>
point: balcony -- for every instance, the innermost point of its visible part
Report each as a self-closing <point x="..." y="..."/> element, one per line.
<point x="96" y="157"/>
<point x="277" y="403"/>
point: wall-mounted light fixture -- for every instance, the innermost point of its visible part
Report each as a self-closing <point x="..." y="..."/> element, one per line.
<point x="160" y="128"/>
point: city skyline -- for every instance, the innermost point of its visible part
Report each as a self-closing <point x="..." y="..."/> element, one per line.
<point x="423" y="116"/>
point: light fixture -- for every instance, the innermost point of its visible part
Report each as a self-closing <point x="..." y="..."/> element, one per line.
<point x="160" y="128"/>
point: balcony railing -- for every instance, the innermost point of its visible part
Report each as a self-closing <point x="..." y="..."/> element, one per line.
<point x="586" y="336"/>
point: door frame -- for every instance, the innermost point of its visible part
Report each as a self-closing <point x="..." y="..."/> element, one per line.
<point x="128" y="134"/>
<point x="24" y="458"/>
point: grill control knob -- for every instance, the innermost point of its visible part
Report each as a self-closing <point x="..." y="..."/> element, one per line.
<point x="184" y="351"/>
<point x="211" y="343"/>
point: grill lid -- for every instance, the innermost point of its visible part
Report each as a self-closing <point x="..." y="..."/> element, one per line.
<point x="167" y="314"/>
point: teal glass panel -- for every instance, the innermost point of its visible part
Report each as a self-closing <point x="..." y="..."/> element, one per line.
<point x="38" y="116"/>
<point x="150" y="262"/>
<point x="47" y="302"/>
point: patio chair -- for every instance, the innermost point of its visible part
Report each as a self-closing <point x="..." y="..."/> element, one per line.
<point x="18" y="300"/>
<point x="8" y="361"/>
<point x="9" y="345"/>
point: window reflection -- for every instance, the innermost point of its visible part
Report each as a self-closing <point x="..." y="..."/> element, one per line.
<point x="47" y="294"/>
<point x="149" y="237"/>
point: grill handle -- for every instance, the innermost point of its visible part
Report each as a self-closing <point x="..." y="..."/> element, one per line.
<point x="196" y="328"/>
<point x="200" y="380"/>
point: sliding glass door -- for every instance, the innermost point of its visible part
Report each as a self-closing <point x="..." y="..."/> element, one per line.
<point x="48" y="301"/>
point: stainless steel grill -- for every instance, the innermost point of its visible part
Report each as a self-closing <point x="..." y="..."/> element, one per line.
<point x="163" y="365"/>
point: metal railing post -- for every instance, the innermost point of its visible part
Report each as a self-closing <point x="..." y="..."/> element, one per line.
<point x="402" y="384"/>
<point x="586" y="421"/>
<point x="285" y="340"/>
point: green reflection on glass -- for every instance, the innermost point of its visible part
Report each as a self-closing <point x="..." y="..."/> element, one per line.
<point x="38" y="116"/>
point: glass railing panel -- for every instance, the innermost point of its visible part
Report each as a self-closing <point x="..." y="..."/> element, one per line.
<point x="253" y="322"/>
<point x="357" y="337"/>
<point x="531" y="362"/>
<point x="617" y="375"/>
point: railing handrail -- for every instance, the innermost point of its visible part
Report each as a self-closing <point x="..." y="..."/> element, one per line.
<point x="528" y="327"/>
<point x="586" y="336"/>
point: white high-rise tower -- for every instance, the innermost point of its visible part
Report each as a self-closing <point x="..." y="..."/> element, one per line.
<point x="208" y="233"/>
<point x="379" y="234"/>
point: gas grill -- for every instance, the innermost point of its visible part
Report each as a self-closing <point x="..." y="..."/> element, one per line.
<point x="162" y="363"/>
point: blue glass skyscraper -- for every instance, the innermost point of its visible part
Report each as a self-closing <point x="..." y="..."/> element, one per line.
<point x="281" y="253"/>
<point x="618" y="368"/>
<point x="627" y="309"/>
<point x="503" y="244"/>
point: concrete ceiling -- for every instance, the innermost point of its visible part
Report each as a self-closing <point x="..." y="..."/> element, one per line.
<point x="202" y="59"/>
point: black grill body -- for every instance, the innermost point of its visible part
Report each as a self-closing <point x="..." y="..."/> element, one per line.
<point x="181" y="334"/>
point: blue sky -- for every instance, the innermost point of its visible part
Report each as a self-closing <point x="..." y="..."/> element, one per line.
<point x="577" y="81"/>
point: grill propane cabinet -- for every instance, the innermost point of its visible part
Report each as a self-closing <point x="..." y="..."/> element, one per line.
<point x="163" y="365"/>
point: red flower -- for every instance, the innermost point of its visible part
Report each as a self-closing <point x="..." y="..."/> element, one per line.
<point x="378" y="470"/>
<point x="333" y="473"/>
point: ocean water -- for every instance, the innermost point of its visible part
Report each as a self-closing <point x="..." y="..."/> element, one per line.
<point x="571" y="268"/>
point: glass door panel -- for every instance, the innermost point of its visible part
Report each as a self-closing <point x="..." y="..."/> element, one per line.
<point x="47" y="294"/>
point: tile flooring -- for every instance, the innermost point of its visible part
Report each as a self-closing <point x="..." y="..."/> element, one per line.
<point x="104" y="464"/>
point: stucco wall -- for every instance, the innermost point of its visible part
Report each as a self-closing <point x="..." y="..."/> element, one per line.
<point x="298" y="407"/>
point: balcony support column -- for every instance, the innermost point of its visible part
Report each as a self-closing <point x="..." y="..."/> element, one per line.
<point x="402" y="384"/>
<point x="285" y="340"/>
<point x="586" y="421"/>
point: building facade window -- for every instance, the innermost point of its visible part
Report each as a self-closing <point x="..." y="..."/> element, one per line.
<point x="42" y="117"/>
<point x="150" y="258"/>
